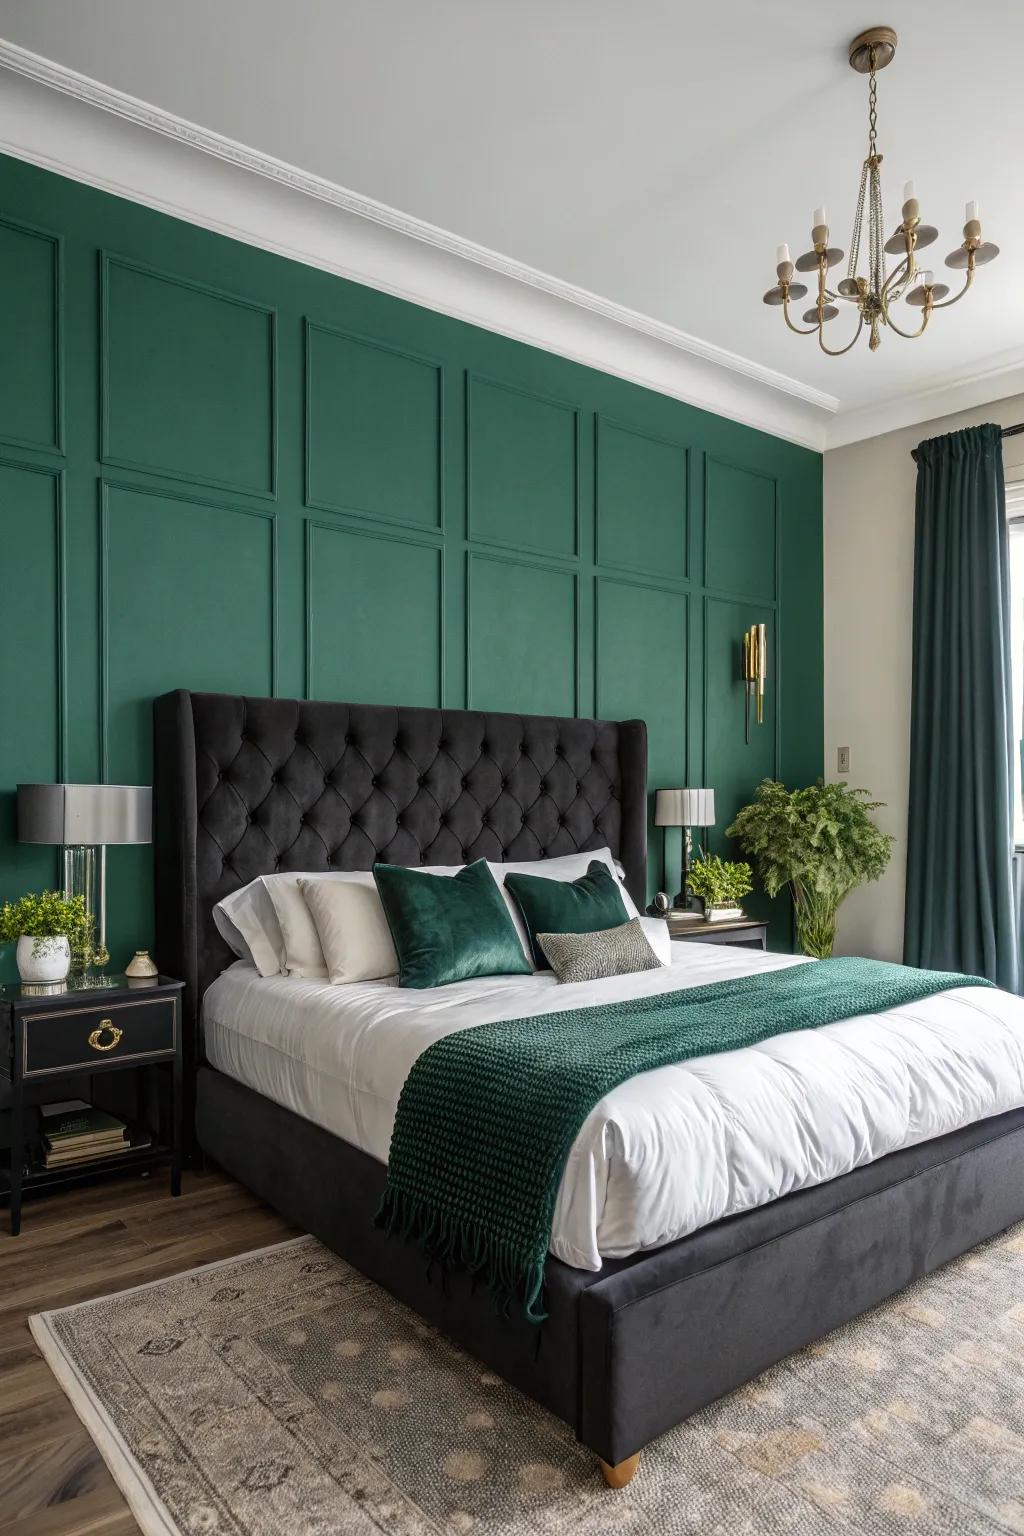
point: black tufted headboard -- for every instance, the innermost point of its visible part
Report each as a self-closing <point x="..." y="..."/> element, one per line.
<point x="244" y="787"/>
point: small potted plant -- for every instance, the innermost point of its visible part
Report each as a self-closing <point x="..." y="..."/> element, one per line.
<point x="821" y="842"/>
<point x="720" y="883"/>
<point x="50" y="930"/>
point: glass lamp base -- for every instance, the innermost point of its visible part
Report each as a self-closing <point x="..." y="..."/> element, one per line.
<point x="84" y="875"/>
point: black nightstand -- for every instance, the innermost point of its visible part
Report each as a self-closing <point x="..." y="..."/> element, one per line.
<point x="47" y="1037"/>
<point x="743" y="932"/>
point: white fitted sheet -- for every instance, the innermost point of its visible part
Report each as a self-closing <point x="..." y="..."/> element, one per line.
<point x="668" y="1151"/>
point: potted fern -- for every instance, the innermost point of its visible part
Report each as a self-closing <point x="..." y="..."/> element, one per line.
<point x="721" y="884"/>
<point x="821" y="842"/>
<point x="50" y="930"/>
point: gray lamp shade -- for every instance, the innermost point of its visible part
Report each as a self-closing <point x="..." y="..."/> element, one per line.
<point x="85" y="814"/>
<point x="684" y="808"/>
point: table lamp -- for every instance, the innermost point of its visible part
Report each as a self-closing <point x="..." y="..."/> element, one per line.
<point x="686" y="808"/>
<point x="86" y="819"/>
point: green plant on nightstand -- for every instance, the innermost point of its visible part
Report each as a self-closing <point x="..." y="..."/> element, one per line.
<point x="821" y="842"/>
<point x="52" y="933"/>
<point x="719" y="882"/>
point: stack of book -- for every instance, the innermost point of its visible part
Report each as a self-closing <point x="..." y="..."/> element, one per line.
<point x="75" y="1132"/>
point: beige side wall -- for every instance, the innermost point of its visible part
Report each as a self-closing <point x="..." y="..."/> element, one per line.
<point x="869" y="577"/>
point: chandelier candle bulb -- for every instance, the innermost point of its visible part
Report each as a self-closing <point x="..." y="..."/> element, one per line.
<point x="908" y="191"/>
<point x="971" y="212"/>
<point x="782" y="254"/>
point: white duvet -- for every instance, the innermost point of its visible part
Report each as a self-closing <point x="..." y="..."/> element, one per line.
<point x="671" y="1150"/>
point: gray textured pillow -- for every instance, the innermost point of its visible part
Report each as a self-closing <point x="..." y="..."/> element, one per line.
<point x="608" y="952"/>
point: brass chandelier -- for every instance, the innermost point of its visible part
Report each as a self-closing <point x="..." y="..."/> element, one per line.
<point x="876" y="294"/>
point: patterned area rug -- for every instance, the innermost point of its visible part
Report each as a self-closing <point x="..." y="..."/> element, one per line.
<point x="281" y="1394"/>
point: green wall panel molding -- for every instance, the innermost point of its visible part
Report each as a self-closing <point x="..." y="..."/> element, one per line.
<point x="33" y="675"/>
<point x="189" y="379"/>
<point x="740" y="529"/>
<point x="187" y="600"/>
<point x="32" y="375"/>
<point x="732" y="763"/>
<point x="374" y="429"/>
<point x="641" y="645"/>
<point x="522" y="469"/>
<point x="643" y="496"/>
<point x="522" y="641"/>
<point x="321" y="488"/>
<point x="374" y="617"/>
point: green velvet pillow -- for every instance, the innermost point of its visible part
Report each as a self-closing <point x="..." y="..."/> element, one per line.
<point x="448" y="927"/>
<point x="586" y="905"/>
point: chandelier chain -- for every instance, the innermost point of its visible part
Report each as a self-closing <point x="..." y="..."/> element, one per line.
<point x="876" y="254"/>
<point x="858" y="222"/>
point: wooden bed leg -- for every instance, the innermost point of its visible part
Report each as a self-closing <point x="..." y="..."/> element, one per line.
<point x="622" y="1473"/>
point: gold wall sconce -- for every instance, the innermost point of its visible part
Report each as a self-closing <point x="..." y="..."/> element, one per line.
<point x="755" y="671"/>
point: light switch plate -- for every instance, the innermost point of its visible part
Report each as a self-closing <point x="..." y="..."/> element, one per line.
<point x="842" y="760"/>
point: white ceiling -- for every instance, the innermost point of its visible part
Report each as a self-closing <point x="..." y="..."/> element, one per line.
<point x="653" y="153"/>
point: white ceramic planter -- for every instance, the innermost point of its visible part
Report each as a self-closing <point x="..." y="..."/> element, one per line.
<point x="43" y="959"/>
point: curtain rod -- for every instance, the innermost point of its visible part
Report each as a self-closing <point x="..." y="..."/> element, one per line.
<point x="1006" y="432"/>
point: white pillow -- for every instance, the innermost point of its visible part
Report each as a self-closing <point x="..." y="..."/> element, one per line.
<point x="352" y="928"/>
<point x="571" y="866"/>
<point x="302" y="952"/>
<point x="658" y="937"/>
<point x="248" y="924"/>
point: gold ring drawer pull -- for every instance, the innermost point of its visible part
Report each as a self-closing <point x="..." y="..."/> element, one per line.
<point x="97" y="1041"/>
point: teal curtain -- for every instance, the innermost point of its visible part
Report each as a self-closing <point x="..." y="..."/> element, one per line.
<point x="960" y="881"/>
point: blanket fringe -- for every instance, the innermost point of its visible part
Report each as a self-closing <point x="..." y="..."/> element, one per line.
<point x="450" y="1240"/>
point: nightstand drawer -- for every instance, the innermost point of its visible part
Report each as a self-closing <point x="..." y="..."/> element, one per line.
<point x="91" y="1037"/>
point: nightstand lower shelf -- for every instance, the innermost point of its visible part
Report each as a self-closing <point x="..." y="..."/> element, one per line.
<point x="40" y="1180"/>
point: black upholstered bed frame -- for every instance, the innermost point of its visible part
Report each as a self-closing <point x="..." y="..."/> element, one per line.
<point x="249" y="786"/>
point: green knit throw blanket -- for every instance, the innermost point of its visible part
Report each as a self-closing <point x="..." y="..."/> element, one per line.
<point x="488" y="1115"/>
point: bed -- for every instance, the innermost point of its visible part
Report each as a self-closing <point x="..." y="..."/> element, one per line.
<point x="662" y="1294"/>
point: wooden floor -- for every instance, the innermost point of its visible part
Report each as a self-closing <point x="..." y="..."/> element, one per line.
<point x="83" y="1243"/>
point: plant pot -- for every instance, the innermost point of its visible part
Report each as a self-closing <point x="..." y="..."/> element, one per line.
<point x="815" y="923"/>
<point x="719" y="911"/>
<point x="44" y="959"/>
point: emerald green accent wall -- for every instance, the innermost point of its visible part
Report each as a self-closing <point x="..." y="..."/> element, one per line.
<point x="220" y="469"/>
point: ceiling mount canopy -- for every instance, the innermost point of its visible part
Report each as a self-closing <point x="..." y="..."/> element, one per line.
<point x="875" y="293"/>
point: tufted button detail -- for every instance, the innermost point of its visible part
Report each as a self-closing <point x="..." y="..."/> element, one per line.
<point x="465" y="784"/>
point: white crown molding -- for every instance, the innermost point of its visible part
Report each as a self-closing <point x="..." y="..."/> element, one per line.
<point x="75" y="155"/>
<point x="997" y="378"/>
